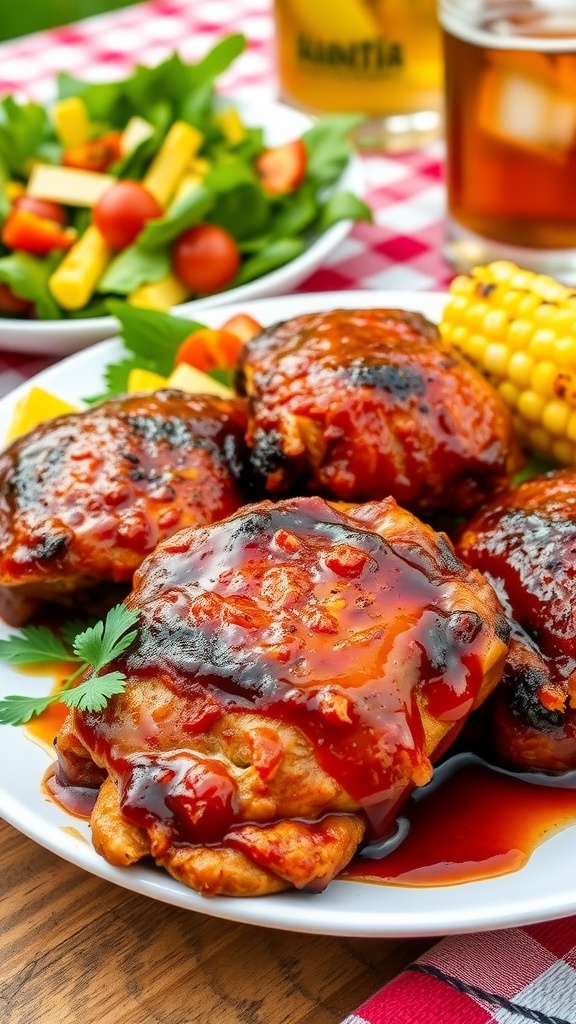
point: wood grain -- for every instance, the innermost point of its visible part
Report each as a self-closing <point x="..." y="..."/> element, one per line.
<point x="74" y="948"/>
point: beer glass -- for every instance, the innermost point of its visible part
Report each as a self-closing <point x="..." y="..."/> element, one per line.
<point x="379" y="58"/>
<point x="510" y="72"/>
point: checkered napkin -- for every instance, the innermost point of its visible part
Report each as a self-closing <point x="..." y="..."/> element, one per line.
<point x="509" y="977"/>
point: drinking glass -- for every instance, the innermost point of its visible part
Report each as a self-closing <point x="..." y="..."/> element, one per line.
<point x="510" y="72"/>
<point x="379" y="58"/>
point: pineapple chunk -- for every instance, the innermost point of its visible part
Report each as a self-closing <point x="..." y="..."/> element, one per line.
<point x="68" y="185"/>
<point x="36" y="407"/>
<point x="145" y="380"/>
<point x="159" y="294"/>
<point x="194" y="382"/>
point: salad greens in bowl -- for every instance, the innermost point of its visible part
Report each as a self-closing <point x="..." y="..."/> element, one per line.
<point x="155" y="191"/>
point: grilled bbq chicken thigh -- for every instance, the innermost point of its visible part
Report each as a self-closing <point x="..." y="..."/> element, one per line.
<point x="297" y="668"/>
<point x="359" y="404"/>
<point x="85" y="497"/>
<point x="525" y="543"/>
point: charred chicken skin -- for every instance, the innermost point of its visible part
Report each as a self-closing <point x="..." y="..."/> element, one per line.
<point x="525" y="544"/>
<point x="297" y="668"/>
<point x="85" y="497"/>
<point x="359" y="404"/>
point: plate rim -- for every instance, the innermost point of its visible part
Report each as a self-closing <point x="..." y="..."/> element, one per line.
<point x="346" y="908"/>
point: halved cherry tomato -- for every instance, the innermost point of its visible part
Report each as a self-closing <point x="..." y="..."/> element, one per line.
<point x="207" y="350"/>
<point x="42" y="208"/>
<point x="122" y="212"/>
<point x="37" y="235"/>
<point x="205" y="258"/>
<point x="10" y="303"/>
<point x="282" y="168"/>
<point x="96" y="155"/>
<point x="243" y="326"/>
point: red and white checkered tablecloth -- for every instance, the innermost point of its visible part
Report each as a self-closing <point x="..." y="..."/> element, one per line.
<point x="402" y="249"/>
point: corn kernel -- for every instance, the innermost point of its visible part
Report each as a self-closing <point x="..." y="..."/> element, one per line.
<point x="548" y="289"/>
<point x="528" y="305"/>
<point x="509" y="393"/>
<point x="522" y="280"/>
<point x="530" y="405"/>
<point x="496" y="358"/>
<point x="475" y="348"/>
<point x="495" y="323"/>
<point x="500" y="271"/>
<point x="565" y="351"/>
<point x="543" y="376"/>
<point x="462" y="285"/>
<point x="476" y="313"/>
<point x="564" y="320"/>
<point x="555" y="415"/>
<point x="562" y="451"/>
<point x="519" y="333"/>
<point x="520" y="368"/>
<point x="541" y="346"/>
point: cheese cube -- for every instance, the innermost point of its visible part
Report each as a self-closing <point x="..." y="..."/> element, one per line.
<point x="67" y="185"/>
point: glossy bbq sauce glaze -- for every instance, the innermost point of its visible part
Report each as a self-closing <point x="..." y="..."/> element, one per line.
<point x="375" y="612"/>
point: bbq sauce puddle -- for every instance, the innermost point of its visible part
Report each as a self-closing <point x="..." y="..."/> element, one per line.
<point x="473" y="821"/>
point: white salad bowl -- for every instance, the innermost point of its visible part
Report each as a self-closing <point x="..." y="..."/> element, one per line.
<point x="281" y="124"/>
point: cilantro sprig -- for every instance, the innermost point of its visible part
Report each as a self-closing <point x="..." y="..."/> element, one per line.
<point x="93" y="648"/>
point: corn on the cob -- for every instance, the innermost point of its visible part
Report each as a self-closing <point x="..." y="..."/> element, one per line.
<point x="519" y="328"/>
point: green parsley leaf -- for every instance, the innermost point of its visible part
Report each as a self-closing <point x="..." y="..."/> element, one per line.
<point x="17" y="710"/>
<point x="105" y="641"/>
<point x="94" y="693"/>
<point x="33" y="645"/>
<point x="93" y="648"/>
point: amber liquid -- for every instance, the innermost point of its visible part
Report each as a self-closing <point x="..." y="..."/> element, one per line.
<point x="511" y="129"/>
<point x="375" y="57"/>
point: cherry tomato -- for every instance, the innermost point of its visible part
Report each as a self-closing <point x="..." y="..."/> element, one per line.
<point x="41" y="208"/>
<point x="282" y="168"/>
<point x="207" y="350"/>
<point x="122" y="212"/>
<point x="205" y="258"/>
<point x="243" y="326"/>
<point x="10" y="303"/>
<point x="96" y="155"/>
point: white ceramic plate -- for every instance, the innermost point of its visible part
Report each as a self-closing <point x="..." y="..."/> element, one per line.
<point x="280" y="123"/>
<point x="544" y="889"/>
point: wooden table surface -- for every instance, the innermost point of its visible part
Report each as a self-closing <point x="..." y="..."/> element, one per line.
<point x="78" y="950"/>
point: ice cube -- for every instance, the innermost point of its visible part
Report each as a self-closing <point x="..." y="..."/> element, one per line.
<point x="525" y="112"/>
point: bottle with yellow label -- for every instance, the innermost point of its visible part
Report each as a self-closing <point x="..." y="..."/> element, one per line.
<point x="380" y="58"/>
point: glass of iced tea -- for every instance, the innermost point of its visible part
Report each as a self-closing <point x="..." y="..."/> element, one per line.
<point x="379" y="58"/>
<point x="510" y="71"/>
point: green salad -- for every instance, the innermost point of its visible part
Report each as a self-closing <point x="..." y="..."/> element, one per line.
<point x="151" y="190"/>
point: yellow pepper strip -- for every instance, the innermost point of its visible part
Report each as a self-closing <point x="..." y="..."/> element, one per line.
<point x="75" y="278"/>
<point x="171" y="161"/>
<point x="71" y="122"/>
